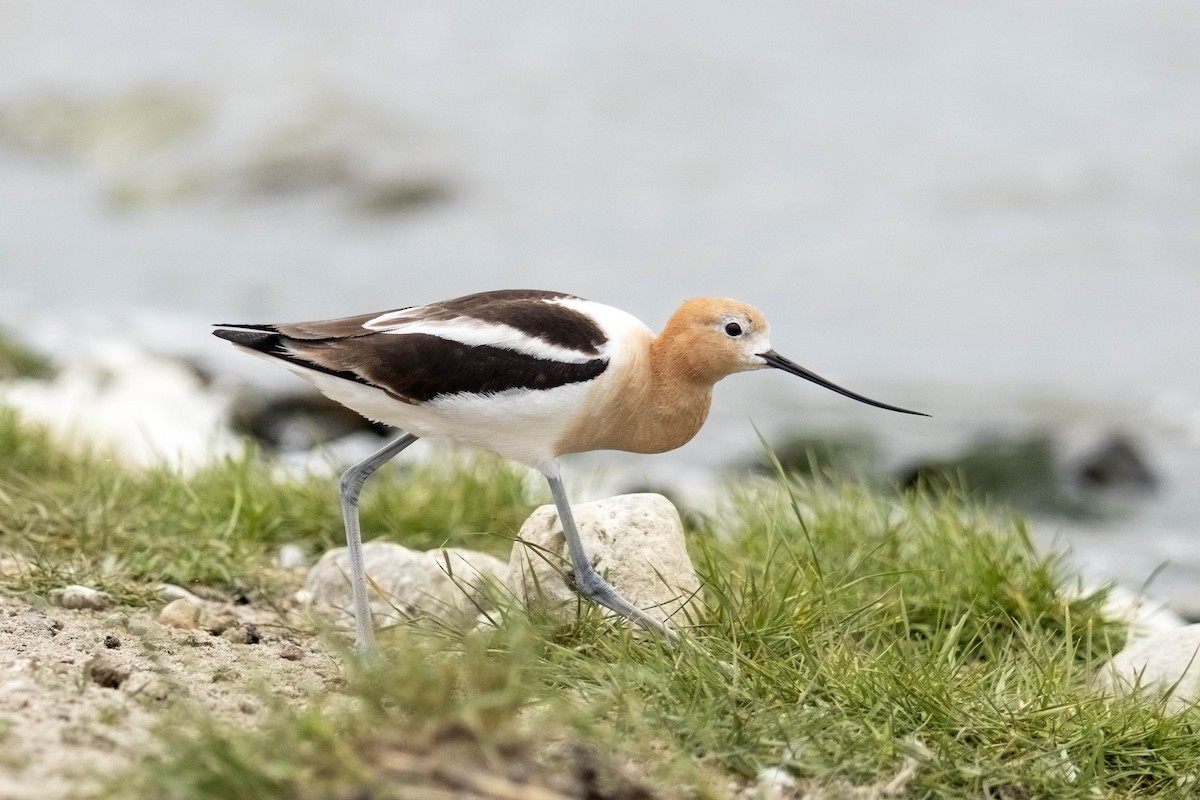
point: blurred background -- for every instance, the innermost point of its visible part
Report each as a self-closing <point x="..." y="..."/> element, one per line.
<point x="990" y="213"/>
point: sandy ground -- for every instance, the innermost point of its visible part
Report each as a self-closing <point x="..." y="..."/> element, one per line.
<point x="82" y="692"/>
<point x="85" y="692"/>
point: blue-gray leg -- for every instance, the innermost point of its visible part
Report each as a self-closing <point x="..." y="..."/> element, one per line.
<point x="587" y="581"/>
<point x="352" y="483"/>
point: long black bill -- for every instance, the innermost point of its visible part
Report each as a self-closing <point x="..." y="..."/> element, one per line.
<point x="779" y="362"/>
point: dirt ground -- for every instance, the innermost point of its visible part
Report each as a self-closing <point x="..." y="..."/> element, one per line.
<point x="82" y="691"/>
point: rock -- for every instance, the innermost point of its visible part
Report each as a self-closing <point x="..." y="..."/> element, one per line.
<point x="112" y="642"/>
<point x="243" y="633"/>
<point x="400" y="192"/>
<point x="291" y="651"/>
<point x="774" y="783"/>
<point x="192" y="613"/>
<point x="1143" y="616"/>
<point x="113" y="396"/>
<point x="183" y="613"/>
<point x="104" y="672"/>
<point x="1018" y="469"/>
<point x="117" y="619"/>
<point x="215" y="619"/>
<point x="1166" y="662"/>
<point x="291" y="556"/>
<point x="146" y="684"/>
<point x="80" y="597"/>
<point x="293" y="170"/>
<point x="298" y="421"/>
<point x="450" y="584"/>
<point x="1075" y="471"/>
<point x="1110" y="461"/>
<point x="634" y="541"/>
<point x="170" y="591"/>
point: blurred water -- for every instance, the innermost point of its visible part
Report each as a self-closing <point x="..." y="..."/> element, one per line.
<point x="987" y="212"/>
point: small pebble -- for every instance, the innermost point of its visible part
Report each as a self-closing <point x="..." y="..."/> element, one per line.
<point x="774" y="783"/>
<point x="117" y="619"/>
<point x="183" y="613"/>
<point x="291" y="556"/>
<point x="246" y="633"/>
<point x="214" y="619"/>
<point x="147" y="684"/>
<point x="170" y="591"/>
<point x="111" y="642"/>
<point x="291" y="651"/>
<point x="105" y="673"/>
<point x="80" y="597"/>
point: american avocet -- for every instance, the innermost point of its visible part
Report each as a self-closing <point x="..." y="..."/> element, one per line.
<point x="529" y="374"/>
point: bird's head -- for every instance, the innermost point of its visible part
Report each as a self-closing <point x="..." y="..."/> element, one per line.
<point x="711" y="337"/>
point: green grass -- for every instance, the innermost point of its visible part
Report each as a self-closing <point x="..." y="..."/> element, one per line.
<point x="848" y="636"/>
<point x="87" y="519"/>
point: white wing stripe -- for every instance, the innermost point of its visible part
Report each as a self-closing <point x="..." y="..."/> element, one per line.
<point x="475" y="333"/>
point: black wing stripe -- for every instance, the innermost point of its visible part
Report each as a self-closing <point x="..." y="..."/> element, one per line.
<point x="418" y="368"/>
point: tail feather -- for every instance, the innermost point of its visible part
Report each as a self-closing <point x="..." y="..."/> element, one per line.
<point x="260" y="338"/>
<point x="265" y="339"/>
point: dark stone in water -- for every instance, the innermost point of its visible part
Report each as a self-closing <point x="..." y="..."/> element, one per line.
<point x="1021" y="470"/>
<point x="1040" y="472"/>
<point x="1116" y="463"/>
<point x="298" y="422"/>
<point x="400" y="193"/>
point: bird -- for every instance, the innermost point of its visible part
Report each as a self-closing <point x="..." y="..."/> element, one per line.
<point x="533" y="375"/>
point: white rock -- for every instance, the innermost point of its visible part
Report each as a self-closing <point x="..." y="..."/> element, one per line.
<point x="1144" y="616"/>
<point x="181" y="613"/>
<point x="115" y="397"/>
<point x="80" y="597"/>
<point x="774" y="783"/>
<point x="1164" y="662"/>
<point x="634" y="541"/>
<point x="449" y="584"/>
<point x="188" y="613"/>
<point x="216" y="618"/>
<point x="291" y="556"/>
<point x="146" y="684"/>
<point x="170" y="591"/>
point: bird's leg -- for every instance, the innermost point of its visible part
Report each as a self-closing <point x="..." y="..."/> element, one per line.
<point x="587" y="581"/>
<point x="351" y="485"/>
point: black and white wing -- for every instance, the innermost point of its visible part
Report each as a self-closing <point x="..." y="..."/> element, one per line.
<point x="478" y="344"/>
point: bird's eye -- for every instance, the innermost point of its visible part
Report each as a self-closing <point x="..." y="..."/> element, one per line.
<point x="733" y="329"/>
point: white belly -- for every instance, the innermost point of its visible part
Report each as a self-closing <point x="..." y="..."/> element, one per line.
<point x="524" y="425"/>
